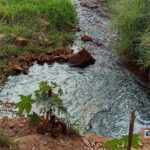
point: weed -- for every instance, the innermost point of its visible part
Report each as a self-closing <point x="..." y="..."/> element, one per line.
<point x="5" y="142"/>
<point x="47" y="97"/>
<point x="122" y="143"/>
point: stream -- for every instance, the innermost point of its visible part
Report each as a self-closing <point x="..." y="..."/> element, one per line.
<point x="101" y="95"/>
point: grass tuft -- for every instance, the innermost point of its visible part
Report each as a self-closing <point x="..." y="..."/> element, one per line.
<point x="131" y="19"/>
<point x="38" y="19"/>
<point x="5" y="142"/>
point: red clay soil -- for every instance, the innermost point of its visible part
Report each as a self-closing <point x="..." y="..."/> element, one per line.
<point x="27" y="138"/>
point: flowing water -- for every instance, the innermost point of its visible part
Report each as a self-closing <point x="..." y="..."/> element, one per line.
<point x="100" y="96"/>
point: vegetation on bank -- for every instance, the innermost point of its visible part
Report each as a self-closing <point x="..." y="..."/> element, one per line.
<point x="44" y="23"/>
<point x="48" y="99"/>
<point x="6" y="142"/>
<point x="131" y="21"/>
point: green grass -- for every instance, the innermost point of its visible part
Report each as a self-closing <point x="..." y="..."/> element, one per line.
<point x="144" y="57"/>
<point x="130" y="19"/>
<point x="33" y="19"/>
<point x="46" y="24"/>
<point x="5" y="142"/>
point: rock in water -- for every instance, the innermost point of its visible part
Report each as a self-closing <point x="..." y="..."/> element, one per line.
<point x="82" y="59"/>
<point x="21" y="41"/>
<point x="86" y="38"/>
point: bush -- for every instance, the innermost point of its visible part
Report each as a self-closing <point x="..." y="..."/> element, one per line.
<point x="144" y="57"/>
<point x="48" y="98"/>
<point x="130" y="20"/>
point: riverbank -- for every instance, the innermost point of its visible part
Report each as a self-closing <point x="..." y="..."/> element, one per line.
<point x="130" y="21"/>
<point x="24" y="137"/>
<point x="33" y="27"/>
<point x="106" y="87"/>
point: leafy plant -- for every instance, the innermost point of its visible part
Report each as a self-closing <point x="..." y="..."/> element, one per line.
<point x="45" y="96"/>
<point x="48" y="98"/>
<point x="117" y="144"/>
<point x="25" y="104"/>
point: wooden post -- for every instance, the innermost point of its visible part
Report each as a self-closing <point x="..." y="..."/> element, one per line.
<point x="131" y="129"/>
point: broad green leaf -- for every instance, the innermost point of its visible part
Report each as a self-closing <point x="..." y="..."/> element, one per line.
<point x="25" y="104"/>
<point x="34" y="119"/>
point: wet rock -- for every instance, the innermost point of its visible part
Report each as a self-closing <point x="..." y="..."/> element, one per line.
<point x="102" y="2"/>
<point x="81" y="59"/>
<point x="89" y="5"/>
<point x="25" y="57"/>
<point x="18" y="68"/>
<point x="78" y="29"/>
<point x="61" y="51"/>
<point x="15" y="67"/>
<point x="22" y="41"/>
<point x="42" y="58"/>
<point x="86" y="38"/>
<point x="97" y="43"/>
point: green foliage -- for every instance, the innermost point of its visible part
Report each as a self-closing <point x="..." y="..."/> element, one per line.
<point x="122" y="143"/>
<point x="34" y="119"/>
<point x="130" y="19"/>
<point x="47" y="97"/>
<point x="144" y="49"/>
<point x="73" y="126"/>
<point x="25" y="104"/>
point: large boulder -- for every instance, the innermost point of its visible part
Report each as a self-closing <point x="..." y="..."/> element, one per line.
<point x="81" y="59"/>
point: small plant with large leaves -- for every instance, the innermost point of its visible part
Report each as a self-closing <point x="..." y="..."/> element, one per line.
<point x="48" y="98"/>
<point x="122" y="143"/>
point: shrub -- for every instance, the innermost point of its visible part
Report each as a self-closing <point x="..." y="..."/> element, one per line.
<point x="48" y="99"/>
<point x="144" y="57"/>
<point x="121" y="143"/>
<point x="5" y="142"/>
<point x="130" y="19"/>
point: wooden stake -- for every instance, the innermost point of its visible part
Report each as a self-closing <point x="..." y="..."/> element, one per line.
<point x="131" y="129"/>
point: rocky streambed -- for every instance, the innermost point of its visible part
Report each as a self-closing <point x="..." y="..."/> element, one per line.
<point x="101" y="95"/>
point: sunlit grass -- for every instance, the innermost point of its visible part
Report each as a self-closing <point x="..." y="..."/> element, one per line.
<point x="38" y="18"/>
<point x="130" y="19"/>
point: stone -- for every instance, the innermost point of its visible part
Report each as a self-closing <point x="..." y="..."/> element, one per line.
<point x="22" y="41"/>
<point x="25" y="57"/>
<point x="42" y="58"/>
<point x="89" y="5"/>
<point x="86" y="38"/>
<point x="18" y="68"/>
<point x="82" y="59"/>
